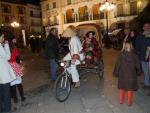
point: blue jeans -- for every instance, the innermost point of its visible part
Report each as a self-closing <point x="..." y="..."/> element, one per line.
<point x="5" y="99"/>
<point x="53" y="68"/>
<point x="146" y="73"/>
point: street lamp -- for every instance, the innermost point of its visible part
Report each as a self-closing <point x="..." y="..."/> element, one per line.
<point x="106" y="7"/>
<point x="15" y="25"/>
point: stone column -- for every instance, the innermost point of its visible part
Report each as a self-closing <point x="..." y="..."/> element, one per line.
<point x="75" y="17"/>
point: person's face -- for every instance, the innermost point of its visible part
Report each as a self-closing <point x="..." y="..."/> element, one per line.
<point x="146" y="27"/>
<point x="132" y="34"/>
<point x="55" y="32"/>
<point x="126" y="31"/>
<point x="88" y="40"/>
<point x="1" y="38"/>
<point x="90" y="35"/>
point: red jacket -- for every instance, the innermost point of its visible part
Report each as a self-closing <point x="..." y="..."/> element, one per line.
<point x="14" y="54"/>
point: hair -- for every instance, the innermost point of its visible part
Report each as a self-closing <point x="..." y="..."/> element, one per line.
<point x="87" y="34"/>
<point x="134" y="31"/>
<point x="51" y="30"/>
<point x="2" y="33"/>
<point x="127" y="46"/>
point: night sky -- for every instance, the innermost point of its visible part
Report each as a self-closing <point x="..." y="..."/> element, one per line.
<point x="31" y="1"/>
<point x="23" y="1"/>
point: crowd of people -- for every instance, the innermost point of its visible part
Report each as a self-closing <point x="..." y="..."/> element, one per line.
<point x="133" y="61"/>
<point x="71" y="47"/>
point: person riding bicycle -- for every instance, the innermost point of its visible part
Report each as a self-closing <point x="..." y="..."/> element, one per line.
<point x="74" y="55"/>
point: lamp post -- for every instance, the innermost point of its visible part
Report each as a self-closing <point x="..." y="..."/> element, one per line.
<point x="106" y="7"/>
<point x="15" y="25"/>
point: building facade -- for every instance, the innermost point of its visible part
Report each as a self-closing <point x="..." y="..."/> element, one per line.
<point x="35" y="20"/>
<point x="63" y="13"/>
<point x="27" y="15"/>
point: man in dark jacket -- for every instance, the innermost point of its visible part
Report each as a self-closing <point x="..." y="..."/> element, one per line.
<point x="141" y="44"/>
<point x="52" y="51"/>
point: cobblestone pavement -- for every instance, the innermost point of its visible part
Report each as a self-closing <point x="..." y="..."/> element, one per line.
<point x="94" y="96"/>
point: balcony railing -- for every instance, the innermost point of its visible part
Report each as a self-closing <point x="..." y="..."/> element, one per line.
<point x="35" y="15"/>
<point x="51" y="24"/>
<point x="124" y="15"/>
<point x="36" y="24"/>
<point x="83" y="18"/>
<point x="70" y="20"/>
<point x="6" y="11"/>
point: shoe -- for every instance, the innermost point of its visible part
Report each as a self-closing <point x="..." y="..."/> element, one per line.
<point x="23" y="99"/>
<point x="145" y="87"/>
<point x="77" y="84"/>
<point x="148" y="94"/>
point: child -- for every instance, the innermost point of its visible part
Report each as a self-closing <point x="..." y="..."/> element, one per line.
<point x="127" y="69"/>
<point x="18" y="69"/>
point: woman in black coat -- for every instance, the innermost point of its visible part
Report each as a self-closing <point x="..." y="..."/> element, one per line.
<point x="127" y="69"/>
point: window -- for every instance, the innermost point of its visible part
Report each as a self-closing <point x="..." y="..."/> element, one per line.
<point x="21" y="10"/>
<point x="68" y="2"/>
<point x="31" y="13"/>
<point x="120" y="10"/>
<point x="7" y="19"/>
<point x="6" y="9"/>
<point x="133" y="8"/>
<point x="47" y="6"/>
<point x="101" y="15"/>
<point x="54" y="4"/>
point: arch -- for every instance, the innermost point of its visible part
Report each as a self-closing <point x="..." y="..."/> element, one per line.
<point x="96" y="11"/>
<point x="83" y="13"/>
<point x="69" y="15"/>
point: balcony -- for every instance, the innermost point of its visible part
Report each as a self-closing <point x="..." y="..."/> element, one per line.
<point x="125" y="15"/>
<point x="35" y="16"/>
<point x="83" y="18"/>
<point x="70" y="20"/>
<point x="36" y="24"/>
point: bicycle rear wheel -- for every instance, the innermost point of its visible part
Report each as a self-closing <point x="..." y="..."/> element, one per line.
<point x="63" y="88"/>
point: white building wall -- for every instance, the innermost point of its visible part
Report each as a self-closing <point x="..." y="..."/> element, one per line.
<point x="62" y="7"/>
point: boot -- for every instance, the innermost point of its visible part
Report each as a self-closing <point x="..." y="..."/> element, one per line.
<point x="21" y="92"/>
<point x="130" y="98"/>
<point x="77" y="84"/>
<point x="14" y="93"/>
<point x="122" y="94"/>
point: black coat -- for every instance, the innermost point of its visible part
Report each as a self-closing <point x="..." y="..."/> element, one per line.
<point x="51" y="47"/>
<point x="127" y="69"/>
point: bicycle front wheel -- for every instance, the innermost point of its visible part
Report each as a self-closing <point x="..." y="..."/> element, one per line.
<point x="63" y="88"/>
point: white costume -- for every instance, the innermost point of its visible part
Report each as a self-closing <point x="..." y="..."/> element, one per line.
<point x="7" y="74"/>
<point x="75" y="47"/>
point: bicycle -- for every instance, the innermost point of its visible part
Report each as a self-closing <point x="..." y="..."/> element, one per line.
<point x="63" y="83"/>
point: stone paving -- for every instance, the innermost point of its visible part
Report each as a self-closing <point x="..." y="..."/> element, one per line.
<point x="94" y="96"/>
